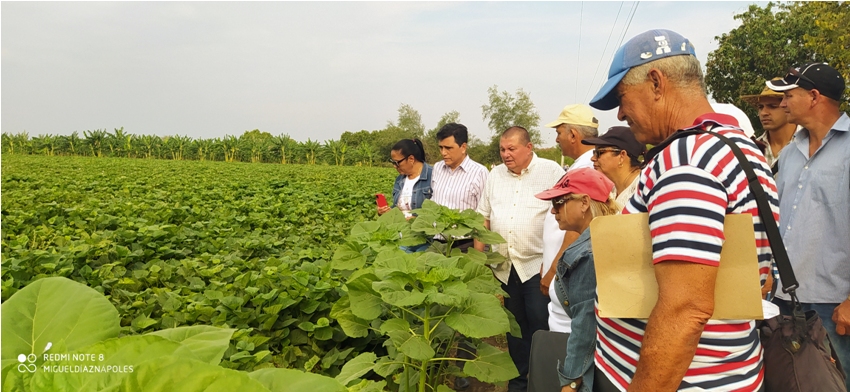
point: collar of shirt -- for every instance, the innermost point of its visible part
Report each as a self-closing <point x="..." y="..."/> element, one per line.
<point x="716" y="118"/>
<point x="583" y="161"/>
<point x="841" y="125"/>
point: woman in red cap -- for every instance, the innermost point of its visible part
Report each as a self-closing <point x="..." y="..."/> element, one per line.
<point x="577" y="198"/>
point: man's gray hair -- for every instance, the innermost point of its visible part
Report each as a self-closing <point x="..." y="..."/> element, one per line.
<point x="585" y="131"/>
<point x="684" y="71"/>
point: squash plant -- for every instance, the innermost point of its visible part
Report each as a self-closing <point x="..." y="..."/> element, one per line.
<point x="421" y="303"/>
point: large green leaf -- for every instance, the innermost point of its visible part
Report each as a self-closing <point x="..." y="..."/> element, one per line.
<point x="291" y="380"/>
<point x="356" y="368"/>
<point x="55" y="310"/>
<point x="365" y="301"/>
<point x="491" y="365"/>
<point x="393" y="292"/>
<point x="482" y="316"/>
<point x="418" y="348"/>
<point x="395" y="263"/>
<point x="180" y="374"/>
<point x="454" y="293"/>
<point x="352" y="325"/>
<point x="93" y="372"/>
<point x="488" y="237"/>
<point x="348" y="256"/>
<point x="206" y="342"/>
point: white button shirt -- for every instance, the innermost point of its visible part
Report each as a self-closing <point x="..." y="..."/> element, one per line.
<point x="509" y="203"/>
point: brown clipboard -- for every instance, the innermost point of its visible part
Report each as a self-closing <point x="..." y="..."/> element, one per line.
<point x="626" y="286"/>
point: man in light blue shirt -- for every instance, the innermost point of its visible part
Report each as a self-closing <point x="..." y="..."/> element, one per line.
<point x="814" y="198"/>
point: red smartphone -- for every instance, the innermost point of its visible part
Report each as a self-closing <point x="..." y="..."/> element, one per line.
<point x="381" y="200"/>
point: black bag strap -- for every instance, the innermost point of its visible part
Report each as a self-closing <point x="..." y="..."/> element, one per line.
<point x="780" y="256"/>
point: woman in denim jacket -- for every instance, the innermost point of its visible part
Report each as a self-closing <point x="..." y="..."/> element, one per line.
<point x="413" y="184"/>
<point x="577" y="198"/>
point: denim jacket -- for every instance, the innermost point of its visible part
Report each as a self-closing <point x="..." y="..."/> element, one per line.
<point x="575" y="286"/>
<point x="421" y="189"/>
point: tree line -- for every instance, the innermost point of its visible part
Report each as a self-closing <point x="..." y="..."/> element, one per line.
<point x="363" y="148"/>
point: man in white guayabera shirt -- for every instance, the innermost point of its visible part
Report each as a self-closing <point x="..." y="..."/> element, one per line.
<point x="510" y="209"/>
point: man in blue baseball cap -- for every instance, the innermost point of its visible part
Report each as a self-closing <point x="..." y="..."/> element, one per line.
<point x="687" y="187"/>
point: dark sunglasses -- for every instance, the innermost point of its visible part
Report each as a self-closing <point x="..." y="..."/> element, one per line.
<point x="558" y="202"/>
<point x="398" y="162"/>
<point x="796" y="73"/>
<point x="598" y="152"/>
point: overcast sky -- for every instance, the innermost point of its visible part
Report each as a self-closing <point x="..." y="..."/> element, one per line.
<point x="312" y="69"/>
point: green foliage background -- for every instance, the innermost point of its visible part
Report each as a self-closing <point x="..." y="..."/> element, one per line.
<point x="771" y="40"/>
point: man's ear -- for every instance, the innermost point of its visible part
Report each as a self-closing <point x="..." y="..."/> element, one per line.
<point x="575" y="134"/>
<point x="658" y="80"/>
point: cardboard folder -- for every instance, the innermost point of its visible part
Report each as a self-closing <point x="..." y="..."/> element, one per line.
<point x="626" y="286"/>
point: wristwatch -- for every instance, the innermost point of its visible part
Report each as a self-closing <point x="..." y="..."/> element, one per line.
<point x="574" y="385"/>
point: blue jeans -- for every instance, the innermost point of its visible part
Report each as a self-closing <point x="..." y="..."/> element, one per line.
<point x="840" y="342"/>
<point x="415" y="248"/>
<point x="530" y="308"/>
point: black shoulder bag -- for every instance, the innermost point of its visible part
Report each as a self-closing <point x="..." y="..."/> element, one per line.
<point x="798" y="355"/>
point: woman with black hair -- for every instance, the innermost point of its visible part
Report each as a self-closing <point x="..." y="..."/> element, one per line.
<point x="413" y="184"/>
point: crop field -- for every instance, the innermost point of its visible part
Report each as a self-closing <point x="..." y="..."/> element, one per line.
<point x="173" y="243"/>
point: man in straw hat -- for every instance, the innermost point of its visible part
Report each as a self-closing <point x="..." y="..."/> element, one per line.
<point x="687" y="188"/>
<point x="777" y="130"/>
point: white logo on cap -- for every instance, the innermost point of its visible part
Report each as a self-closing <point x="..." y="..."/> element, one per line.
<point x="663" y="46"/>
<point x="684" y="46"/>
<point x="645" y="55"/>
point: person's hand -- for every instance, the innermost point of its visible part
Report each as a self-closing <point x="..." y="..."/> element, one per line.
<point x="841" y="317"/>
<point x="546" y="281"/>
<point x="566" y="388"/>
<point x="383" y="210"/>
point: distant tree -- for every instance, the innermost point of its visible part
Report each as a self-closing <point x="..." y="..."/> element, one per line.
<point x="73" y="143"/>
<point x="95" y="140"/>
<point x="409" y="122"/>
<point x="772" y="39"/>
<point x="505" y="110"/>
<point x="310" y="149"/>
<point x="366" y="154"/>
<point x="282" y="147"/>
<point x="253" y="145"/>
<point x="337" y="150"/>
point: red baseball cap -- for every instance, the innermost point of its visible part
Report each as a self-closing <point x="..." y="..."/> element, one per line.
<point x="584" y="181"/>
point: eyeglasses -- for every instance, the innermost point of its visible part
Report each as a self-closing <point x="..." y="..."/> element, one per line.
<point x="599" y="151"/>
<point x="398" y="162"/>
<point x="796" y="72"/>
<point x="558" y="202"/>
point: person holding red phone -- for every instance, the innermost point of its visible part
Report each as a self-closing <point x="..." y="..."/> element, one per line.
<point x="413" y="184"/>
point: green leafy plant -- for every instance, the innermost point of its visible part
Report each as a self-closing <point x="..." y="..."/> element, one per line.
<point x="59" y="335"/>
<point x="421" y="303"/>
<point x="175" y="243"/>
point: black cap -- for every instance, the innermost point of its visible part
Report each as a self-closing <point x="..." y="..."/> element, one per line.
<point x="622" y="138"/>
<point x="817" y="76"/>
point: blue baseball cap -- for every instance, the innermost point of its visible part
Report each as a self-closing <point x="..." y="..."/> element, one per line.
<point x="643" y="48"/>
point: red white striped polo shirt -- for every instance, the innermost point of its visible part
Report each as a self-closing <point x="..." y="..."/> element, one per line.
<point x="687" y="189"/>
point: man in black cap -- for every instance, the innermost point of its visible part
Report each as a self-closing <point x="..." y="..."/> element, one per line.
<point x="814" y="198"/>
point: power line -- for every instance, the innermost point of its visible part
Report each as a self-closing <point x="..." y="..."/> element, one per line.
<point x="626" y="30"/>
<point x="598" y="65"/>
